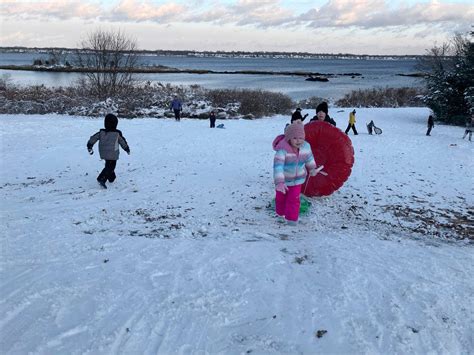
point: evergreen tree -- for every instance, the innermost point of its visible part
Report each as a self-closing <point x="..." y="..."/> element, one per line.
<point x="449" y="80"/>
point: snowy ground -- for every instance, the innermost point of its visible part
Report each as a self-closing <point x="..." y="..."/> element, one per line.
<point x="181" y="254"/>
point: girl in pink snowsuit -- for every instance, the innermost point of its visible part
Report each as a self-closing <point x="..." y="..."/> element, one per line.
<point x="292" y="158"/>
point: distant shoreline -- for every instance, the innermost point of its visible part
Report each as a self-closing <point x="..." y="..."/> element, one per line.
<point x="312" y="76"/>
<point x="168" y="70"/>
<point x="227" y="54"/>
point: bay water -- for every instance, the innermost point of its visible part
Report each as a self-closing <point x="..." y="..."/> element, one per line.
<point x="374" y="73"/>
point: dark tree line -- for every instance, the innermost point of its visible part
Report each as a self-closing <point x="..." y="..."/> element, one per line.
<point x="449" y="79"/>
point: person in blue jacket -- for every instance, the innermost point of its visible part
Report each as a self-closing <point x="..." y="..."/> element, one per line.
<point x="177" y="108"/>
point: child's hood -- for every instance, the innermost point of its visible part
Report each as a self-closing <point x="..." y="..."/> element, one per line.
<point x="110" y="122"/>
<point x="280" y="143"/>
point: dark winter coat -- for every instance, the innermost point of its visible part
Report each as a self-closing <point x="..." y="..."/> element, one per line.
<point x="297" y="116"/>
<point x="327" y="119"/>
<point x="430" y="121"/>
<point x="109" y="139"/>
<point x="330" y="120"/>
<point x="470" y="126"/>
<point x="176" y="105"/>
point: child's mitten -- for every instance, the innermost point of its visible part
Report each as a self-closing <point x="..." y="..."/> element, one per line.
<point x="317" y="171"/>
<point x="90" y="151"/>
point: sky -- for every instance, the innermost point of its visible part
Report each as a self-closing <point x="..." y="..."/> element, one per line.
<point x="315" y="26"/>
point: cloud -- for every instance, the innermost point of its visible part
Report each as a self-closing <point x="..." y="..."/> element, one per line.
<point x="259" y="13"/>
<point x="378" y="14"/>
<point x="60" y="9"/>
<point x="17" y="36"/>
<point x="133" y="10"/>
<point x="362" y="14"/>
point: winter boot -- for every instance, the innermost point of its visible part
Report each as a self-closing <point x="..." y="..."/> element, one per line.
<point x="102" y="183"/>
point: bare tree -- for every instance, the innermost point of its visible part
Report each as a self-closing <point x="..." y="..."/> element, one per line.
<point x="437" y="59"/>
<point x="109" y="59"/>
<point x="57" y="56"/>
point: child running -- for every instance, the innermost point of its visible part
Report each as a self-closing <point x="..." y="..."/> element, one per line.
<point x="293" y="156"/>
<point x="109" y="140"/>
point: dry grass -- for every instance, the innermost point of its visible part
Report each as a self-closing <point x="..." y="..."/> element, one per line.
<point x="383" y="97"/>
<point x="256" y="102"/>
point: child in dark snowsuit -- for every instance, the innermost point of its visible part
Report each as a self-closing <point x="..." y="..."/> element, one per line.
<point x="430" y="125"/>
<point x="212" y="119"/>
<point x="370" y="127"/>
<point x="297" y="116"/>
<point x="109" y="140"/>
<point x="469" y="129"/>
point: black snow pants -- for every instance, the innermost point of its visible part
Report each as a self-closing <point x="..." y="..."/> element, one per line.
<point x="177" y="115"/>
<point x="349" y="126"/>
<point x="428" y="132"/>
<point x="108" y="173"/>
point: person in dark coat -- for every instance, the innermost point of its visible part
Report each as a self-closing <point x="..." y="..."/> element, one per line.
<point x="298" y="116"/>
<point x="177" y="107"/>
<point x="371" y="126"/>
<point x="322" y="114"/>
<point x="212" y="119"/>
<point x="430" y="125"/>
<point x="109" y="140"/>
<point x="469" y="129"/>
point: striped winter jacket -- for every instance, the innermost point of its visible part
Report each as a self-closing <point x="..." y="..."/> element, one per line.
<point x="109" y="141"/>
<point x="289" y="166"/>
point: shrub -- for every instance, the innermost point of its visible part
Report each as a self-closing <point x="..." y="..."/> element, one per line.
<point x="256" y="102"/>
<point x="143" y="99"/>
<point x="311" y="102"/>
<point x="6" y="82"/>
<point x="382" y="97"/>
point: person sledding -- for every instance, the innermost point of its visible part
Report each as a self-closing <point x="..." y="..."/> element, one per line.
<point x="109" y="140"/>
<point x="293" y="158"/>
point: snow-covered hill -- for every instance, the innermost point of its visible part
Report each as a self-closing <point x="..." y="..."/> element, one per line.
<point x="181" y="254"/>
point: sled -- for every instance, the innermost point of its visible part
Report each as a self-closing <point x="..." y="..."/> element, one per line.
<point x="305" y="205"/>
<point x="333" y="149"/>
<point x="371" y="126"/>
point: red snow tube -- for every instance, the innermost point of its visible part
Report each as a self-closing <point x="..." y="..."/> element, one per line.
<point x="333" y="149"/>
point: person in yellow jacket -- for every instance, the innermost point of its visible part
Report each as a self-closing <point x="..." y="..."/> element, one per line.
<point x="352" y="121"/>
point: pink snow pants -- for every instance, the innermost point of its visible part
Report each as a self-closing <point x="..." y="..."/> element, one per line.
<point x="288" y="204"/>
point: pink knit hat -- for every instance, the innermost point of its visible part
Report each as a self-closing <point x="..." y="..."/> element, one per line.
<point x="294" y="130"/>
